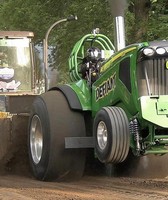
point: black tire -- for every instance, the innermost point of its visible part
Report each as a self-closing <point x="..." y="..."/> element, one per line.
<point x="111" y="131"/>
<point x="52" y="120"/>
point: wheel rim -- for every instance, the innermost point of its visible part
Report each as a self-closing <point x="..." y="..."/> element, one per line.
<point x="36" y="139"/>
<point x="102" y="135"/>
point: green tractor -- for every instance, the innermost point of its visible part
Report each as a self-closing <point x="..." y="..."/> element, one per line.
<point x="116" y="102"/>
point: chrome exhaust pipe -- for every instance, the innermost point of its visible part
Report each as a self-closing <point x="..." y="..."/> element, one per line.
<point x="119" y="32"/>
<point x="118" y="10"/>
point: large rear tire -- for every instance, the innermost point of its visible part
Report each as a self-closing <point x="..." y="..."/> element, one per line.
<point x="111" y="130"/>
<point x="52" y="120"/>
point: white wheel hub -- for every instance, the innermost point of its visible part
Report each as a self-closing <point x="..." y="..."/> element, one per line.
<point x="36" y="139"/>
<point x="102" y="135"/>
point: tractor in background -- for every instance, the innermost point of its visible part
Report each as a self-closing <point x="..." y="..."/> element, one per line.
<point x="19" y="85"/>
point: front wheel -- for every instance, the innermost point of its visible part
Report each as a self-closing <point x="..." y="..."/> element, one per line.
<point x="52" y="120"/>
<point x="111" y="131"/>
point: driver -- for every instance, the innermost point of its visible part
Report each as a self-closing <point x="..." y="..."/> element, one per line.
<point x="90" y="67"/>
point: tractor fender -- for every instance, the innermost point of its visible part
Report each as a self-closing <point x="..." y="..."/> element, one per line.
<point x="70" y="95"/>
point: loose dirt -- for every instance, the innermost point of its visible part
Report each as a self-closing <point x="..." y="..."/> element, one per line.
<point x="143" y="178"/>
<point x="89" y="187"/>
<point x="133" y="182"/>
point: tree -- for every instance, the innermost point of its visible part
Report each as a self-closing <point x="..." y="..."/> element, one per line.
<point x="158" y="18"/>
<point x="149" y="20"/>
<point x="141" y="16"/>
<point x="145" y="20"/>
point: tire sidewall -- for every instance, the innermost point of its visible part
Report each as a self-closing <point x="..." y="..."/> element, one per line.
<point x="102" y="115"/>
<point x="40" y="110"/>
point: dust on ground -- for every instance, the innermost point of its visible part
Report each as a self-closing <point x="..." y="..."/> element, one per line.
<point x="136" y="178"/>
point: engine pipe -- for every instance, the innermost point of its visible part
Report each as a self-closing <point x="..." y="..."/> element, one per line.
<point x="118" y="10"/>
<point x="119" y="32"/>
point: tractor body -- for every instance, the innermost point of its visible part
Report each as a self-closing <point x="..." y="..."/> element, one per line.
<point x="134" y="79"/>
<point x="115" y="103"/>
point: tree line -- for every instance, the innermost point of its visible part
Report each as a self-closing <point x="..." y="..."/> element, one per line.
<point x="145" y="20"/>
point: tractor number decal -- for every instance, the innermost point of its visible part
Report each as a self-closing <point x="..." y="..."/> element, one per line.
<point x="106" y="87"/>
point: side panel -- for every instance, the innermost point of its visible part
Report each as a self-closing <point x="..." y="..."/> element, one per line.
<point x="116" y="86"/>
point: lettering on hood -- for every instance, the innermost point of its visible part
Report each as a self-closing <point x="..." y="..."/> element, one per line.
<point x="106" y="87"/>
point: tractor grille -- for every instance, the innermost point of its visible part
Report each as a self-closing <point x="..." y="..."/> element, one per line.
<point x="152" y="77"/>
<point x="159" y="77"/>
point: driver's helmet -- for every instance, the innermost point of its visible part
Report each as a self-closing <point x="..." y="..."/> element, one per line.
<point x="94" y="53"/>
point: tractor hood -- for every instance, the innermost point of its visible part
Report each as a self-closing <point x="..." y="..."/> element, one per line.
<point x="155" y="109"/>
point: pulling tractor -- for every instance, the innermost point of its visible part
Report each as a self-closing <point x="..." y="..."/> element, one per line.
<point x="116" y="102"/>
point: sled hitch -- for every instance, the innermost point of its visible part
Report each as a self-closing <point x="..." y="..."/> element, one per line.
<point x="79" y="142"/>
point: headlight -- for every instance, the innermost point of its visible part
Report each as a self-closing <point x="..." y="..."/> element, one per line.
<point x="148" y="52"/>
<point x="160" y="50"/>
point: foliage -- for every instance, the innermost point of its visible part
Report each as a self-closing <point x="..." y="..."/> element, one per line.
<point x="152" y="19"/>
<point x="145" y="20"/>
<point x="158" y="18"/>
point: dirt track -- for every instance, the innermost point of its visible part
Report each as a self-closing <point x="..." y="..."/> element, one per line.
<point x="20" y="184"/>
<point x="16" y="183"/>
<point x="89" y="187"/>
<point x="139" y="179"/>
